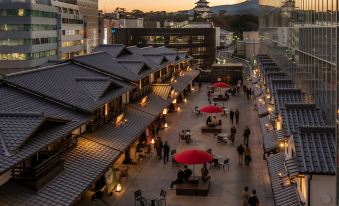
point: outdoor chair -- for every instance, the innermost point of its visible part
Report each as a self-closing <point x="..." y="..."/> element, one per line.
<point x="221" y="140"/>
<point x="162" y="198"/>
<point x="139" y="198"/>
<point x="225" y="163"/>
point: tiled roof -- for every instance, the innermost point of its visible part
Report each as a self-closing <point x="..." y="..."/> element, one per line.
<point x="82" y="166"/>
<point x="280" y="84"/>
<point x="283" y="96"/>
<point x="156" y="58"/>
<point x="136" y="67"/>
<point x="65" y="83"/>
<point x="316" y="150"/>
<point x="296" y="115"/>
<point x="121" y="137"/>
<point x="284" y="194"/>
<point x="154" y="104"/>
<point x="114" y="50"/>
<point x="275" y="75"/>
<point x="162" y="90"/>
<point x="270" y="140"/>
<point x="292" y="167"/>
<point x="270" y="70"/>
<point x="184" y="80"/>
<point x="17" y="128"/>
<point x="17" y="101"/>
<point x="103" y="62"/>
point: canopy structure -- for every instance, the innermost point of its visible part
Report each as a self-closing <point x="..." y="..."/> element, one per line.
<point x="211" y="109"/>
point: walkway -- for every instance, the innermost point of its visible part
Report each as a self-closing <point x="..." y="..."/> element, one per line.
<point x="226" y="187"/>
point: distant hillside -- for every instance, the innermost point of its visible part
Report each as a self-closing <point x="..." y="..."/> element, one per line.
<point x="247" y="7"/>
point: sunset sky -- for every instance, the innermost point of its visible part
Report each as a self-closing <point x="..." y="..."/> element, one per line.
<point x="157" y="5"/>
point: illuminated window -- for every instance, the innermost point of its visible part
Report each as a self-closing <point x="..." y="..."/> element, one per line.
<point x="21" y="12"/>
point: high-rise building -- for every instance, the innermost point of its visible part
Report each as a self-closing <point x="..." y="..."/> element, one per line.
<point x="28" y="35"/>
<point x="89" y="8"/>
<point x="70" y="30"/>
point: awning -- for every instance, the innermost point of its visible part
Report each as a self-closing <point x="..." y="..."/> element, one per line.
<point x="121" y="137"/>
<point x="182" y="81"/>
<point x="82" y="166"/>
<point x="284" y="193"/>
<point x="154" y="104"/>
<point x="270" y="140"/>
<point x="162" y="90"/>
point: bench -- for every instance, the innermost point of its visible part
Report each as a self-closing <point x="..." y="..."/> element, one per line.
<point x="191" y="189"/>
<point x="207" y="129"/>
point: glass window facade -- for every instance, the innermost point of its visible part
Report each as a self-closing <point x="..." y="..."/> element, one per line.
<point x="179" y="39"/>
<point x="153" y="39"/>
<point x="72" y="43"/>
<point x="21" y="42"/>
<point x="26" y="27"/>
<point x="26" y="12"/>
<point x="26" y="56"/>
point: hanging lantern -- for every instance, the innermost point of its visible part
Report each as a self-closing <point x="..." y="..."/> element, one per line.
<point x="152" y="141"/>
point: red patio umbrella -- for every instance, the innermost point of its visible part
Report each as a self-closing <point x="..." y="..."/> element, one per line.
<point x="193" y="157"/>
<point x="211" y="109"/>
<point x="221" y="85"/>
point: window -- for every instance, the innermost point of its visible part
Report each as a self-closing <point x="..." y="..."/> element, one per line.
<point x="26" y="12"/>
<point x="26" y="56"/>
<point x="198" y="39"/>
<point x="179" y="39"/>
<point x="154" y="39"/>
<point x="21" y="12"/>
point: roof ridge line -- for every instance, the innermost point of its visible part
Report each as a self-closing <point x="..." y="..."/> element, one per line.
<point x="4" y="147"/>
<point x="36" y="70"/>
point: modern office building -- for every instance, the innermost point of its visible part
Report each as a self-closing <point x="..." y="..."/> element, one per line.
<point x="28" y="35"/>
<point x="70" y="30"/>
<point x="200" y="43"/>
<point x="89" y="8"/>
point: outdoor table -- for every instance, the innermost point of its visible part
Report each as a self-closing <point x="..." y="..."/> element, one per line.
<point x="224" y="136"/>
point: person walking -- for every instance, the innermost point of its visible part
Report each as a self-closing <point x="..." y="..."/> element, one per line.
<point x="253" y="200"/>
<point x="248" y="92"/>
<point x="247" y="133"/>
<point x="237" y="113"/>
<point x="238" y="90"/>
<point x="245" y="196"/>
<point x="241" y="150"/>
<point x="159" y="148"/>
<point x="247" y="156"/>
<point x="166" y="152"/>
<point x="231" y="116"/>
<point x="233" y="132"/>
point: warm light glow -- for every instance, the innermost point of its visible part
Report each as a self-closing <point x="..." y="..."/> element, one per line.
<point x="119" y="118"/>
<point x="260" y="100"/>
<point x="166" y="125"/>
<point x="266" y="125"/>
<point x="118" y="188"/>
<point x="143" y="100"/>
<point x="268" y="96"/>
<point x="192" y="89"/>
<point x="270" y="109"/>
<point x="178" y="109"/>
<point x="281" y="145"/>
<point x="106" y="109"/>
<point x="165" y="111"/>
<point x="174" y="101"/>
<point x="175" y="81"/>
<point x="125" y="120"/>
<point x="152" y="141"/>
<point x="185" y="100"/>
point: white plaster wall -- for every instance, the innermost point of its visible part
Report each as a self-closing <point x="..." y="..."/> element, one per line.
<point x="323" y="190"/>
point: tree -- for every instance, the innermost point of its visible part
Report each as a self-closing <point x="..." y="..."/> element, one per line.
<point x="137" y="13"/>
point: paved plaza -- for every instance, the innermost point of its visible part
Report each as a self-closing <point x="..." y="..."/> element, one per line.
<point x="226" y="186"/>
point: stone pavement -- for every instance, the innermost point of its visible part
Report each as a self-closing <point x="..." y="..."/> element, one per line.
<point x="226" y="187"/>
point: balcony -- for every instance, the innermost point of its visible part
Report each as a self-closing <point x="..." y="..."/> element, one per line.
<point x="101" y="121"/>
<point x="45" y="166"/>
<point x="140" y="93"/>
